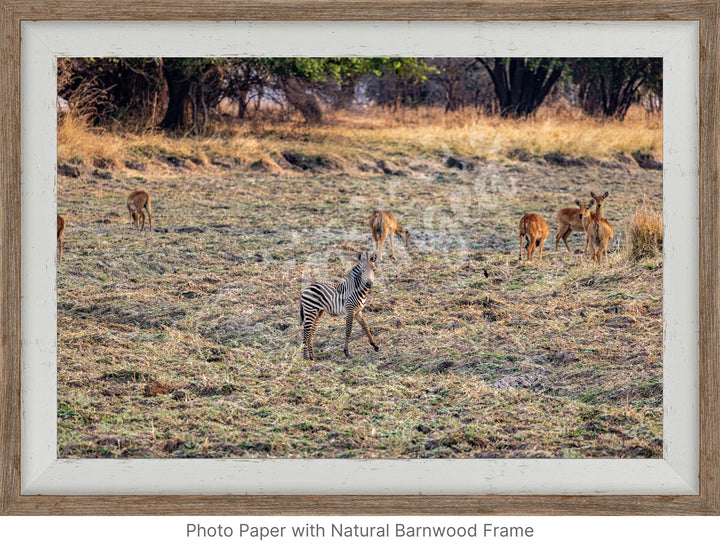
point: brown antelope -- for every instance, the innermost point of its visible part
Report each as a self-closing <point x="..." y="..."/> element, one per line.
<point x="60" y="232"/>
<point x="598" y="214"/>
<point x="599" y="232"/>
<point x="383" y="223"/>
<point x="534" y="230"/>
<point x="599" y="202"/>
<point x="568" y="220"/>
<point x="136" y="201"/>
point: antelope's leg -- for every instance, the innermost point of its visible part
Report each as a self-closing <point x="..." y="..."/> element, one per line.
<point x="531" y="249"/>
<point x="521" y="244"/>
<point x="380" y="242"/>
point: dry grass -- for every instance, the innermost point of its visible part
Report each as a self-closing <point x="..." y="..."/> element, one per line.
<point x="354" y="141"/>
<point x="645" y="233"/>
<point x="185" y="341"/>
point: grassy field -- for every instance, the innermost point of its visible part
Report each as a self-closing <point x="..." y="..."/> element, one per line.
<point x="185" y="341"/>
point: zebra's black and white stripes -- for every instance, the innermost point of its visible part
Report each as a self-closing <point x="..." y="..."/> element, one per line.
<point x="346" y="298"/>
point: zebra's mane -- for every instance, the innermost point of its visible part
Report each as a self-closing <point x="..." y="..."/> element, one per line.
<point x="354" y="276"/>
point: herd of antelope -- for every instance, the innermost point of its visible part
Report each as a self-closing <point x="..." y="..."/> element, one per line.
<point x="598" y="232"/>
<point x="347" y="298"/>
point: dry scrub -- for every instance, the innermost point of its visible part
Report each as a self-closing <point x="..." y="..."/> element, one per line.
<point x="645" y="233"/>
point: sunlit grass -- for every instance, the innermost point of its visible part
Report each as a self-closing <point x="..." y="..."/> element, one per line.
<point x="349" y="139"/>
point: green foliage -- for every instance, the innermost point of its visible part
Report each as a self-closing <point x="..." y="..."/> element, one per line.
<point x="344" y="69"/>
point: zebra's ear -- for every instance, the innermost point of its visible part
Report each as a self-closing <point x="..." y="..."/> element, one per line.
<point x="360" y="256"/>
<point x="373" y="257"/>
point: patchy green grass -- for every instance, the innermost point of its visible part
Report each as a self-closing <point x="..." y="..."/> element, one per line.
<point x="185" y="341"/>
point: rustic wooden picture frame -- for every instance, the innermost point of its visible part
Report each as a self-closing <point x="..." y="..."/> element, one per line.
<point x="13" y="12"/>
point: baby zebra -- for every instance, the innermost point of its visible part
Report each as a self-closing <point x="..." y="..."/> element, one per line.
<point x="345" y="298"/>
<point x="383" y="223"/>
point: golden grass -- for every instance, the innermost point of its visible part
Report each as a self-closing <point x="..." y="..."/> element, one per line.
<point x="492" y="137"/>
<point x="348" y="139"/>
<point x="645" y="233"/>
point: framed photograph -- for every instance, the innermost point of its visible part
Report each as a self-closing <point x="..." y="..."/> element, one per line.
<point x="222" y="174"/>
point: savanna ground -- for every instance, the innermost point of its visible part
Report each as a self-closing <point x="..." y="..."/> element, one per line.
<point x="186" y="342"/>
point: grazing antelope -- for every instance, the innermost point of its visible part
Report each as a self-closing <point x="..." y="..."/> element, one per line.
<point x="534" y="230"/>
<point x="346" y="298"/>
<point x="599" y="232"/>
<point x="136" y="201"/>
<point x="383" y="223"/>
<point x="60" y="232"/>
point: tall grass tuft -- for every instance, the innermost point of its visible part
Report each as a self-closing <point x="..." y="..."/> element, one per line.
<point x="645" y="233"/>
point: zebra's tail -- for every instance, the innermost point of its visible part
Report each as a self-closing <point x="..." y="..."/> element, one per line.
<point x="302" y="314"/>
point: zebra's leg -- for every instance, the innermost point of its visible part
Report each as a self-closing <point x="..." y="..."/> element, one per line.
<point x="306" y="333"/>
<point x="309" y="326"/>
<point x="348" y="330"/>
<point x="312" y="333"/>
<point x="364" y="326"/>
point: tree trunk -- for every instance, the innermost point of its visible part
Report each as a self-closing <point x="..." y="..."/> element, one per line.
<point x="298" y="97"/>
<point x="519" y="88"/>
<point x="178" y="93"/>
<point x="242" y="100"/>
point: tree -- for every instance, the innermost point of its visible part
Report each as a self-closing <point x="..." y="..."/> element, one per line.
<point x="303" y="79"/>
<point x="242" y="79"/>
<point x="521" y="84"/>
<point x="609" y="86"/>
<point x="183" y="77"/>
<point x="104" y="91"/>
